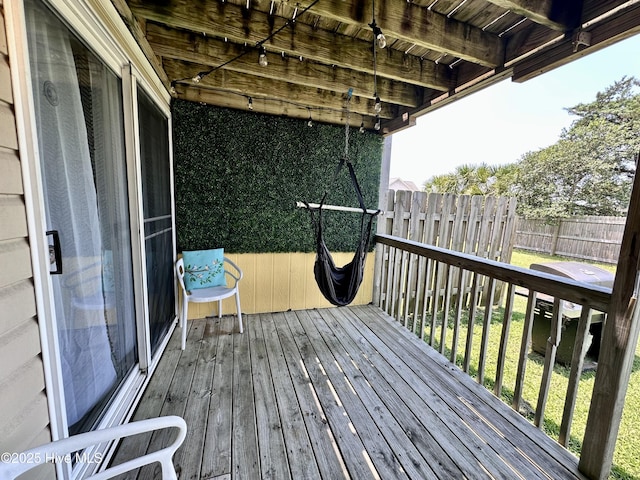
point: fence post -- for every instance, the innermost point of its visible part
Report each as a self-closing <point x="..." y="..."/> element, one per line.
<point x="554" y="239"/>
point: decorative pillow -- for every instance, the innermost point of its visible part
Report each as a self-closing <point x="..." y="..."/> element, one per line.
<point x="203" y="268"/>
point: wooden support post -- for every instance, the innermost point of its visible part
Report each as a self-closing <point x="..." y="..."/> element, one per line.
<point x="383" y="203"/>
<point x="554" y="240"/>
<point x="619" y="340"/>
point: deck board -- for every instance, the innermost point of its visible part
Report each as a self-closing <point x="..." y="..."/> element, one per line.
<point x="334" y="393"/>
<point x="505" y="431"/>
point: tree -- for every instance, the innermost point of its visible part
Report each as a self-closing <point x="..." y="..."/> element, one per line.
<point x="589" y="170"/>
<point x="479" y="179"/>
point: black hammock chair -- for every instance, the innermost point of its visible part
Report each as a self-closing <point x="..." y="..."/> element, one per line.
<point x="339" y="285"/>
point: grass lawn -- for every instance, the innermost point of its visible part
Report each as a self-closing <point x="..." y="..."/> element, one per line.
<point x="627" y="453"/>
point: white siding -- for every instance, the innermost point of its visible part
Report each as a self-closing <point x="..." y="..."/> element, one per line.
<point x="25" y="419"/>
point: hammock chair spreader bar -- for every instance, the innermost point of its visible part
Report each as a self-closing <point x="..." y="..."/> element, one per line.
<point x="317" y="206"/>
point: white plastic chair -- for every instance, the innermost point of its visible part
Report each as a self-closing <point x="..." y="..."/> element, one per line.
<point x="211" y="294"/>
<point x="68" y="446"/>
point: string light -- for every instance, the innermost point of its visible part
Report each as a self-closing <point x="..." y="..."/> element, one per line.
<point x="172" y="90"/>
<point x="362" y="127"/>
<point x="250" y="104"/>
<point x="262" y="58"/>
<point x="381" y="40"/>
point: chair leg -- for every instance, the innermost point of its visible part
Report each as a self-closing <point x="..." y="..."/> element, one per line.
<point x="183" y="321"/>
<point x="238" y="308"/>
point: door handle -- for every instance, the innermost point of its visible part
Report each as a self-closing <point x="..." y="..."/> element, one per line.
<point x="55" y="253"/>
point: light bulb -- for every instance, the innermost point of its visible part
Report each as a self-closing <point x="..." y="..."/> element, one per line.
<point x="197" y="78"/>
<point x="310" y="123"/>
<point x="378" y="105"/>
<point x="377" y="125"/>
<point x="377" y="33"/>
<point x="250" y="103"/>
<point x="362" y="127"/>
<point x="262" y="58"/>
<point x="172" y="90"/>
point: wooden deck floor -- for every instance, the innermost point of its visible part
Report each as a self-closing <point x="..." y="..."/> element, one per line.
<point x="329" y="394"/>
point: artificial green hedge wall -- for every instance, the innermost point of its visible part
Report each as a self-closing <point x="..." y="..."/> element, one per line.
<point x="239" y="174"/>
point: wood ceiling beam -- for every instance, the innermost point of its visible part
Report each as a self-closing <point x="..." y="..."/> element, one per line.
<point x="560" y="15"/>
<point x="211" y="52"/>
<point x="624" y="24"/>
<point x="232" y="22"/>
<point x="138" y="34"/>
<point x="271" y="107"/>
<point x="277" y="91"/>
<point x="418" y="25"/>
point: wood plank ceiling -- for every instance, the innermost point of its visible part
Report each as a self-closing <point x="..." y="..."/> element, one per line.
<point x="319" y="50"/>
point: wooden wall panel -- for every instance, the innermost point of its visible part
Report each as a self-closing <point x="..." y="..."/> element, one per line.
<point x="281" y="293"/>
<point x="265" y="282"/>
<point x="298" y="277"/>
<point x="277" y="282"/>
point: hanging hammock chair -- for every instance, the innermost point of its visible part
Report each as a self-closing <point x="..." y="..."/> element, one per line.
<point x="339" y="285"/>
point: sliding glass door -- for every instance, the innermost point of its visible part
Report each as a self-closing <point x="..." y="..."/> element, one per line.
<point x="79" y="117"/>
<point x="158" y="220"/>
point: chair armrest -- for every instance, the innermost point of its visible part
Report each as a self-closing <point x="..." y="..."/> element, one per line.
<point x="29" y="459"/>
<point x="238" y="272"/>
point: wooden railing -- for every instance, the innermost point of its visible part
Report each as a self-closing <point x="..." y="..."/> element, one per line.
<point x="407" y="286"/>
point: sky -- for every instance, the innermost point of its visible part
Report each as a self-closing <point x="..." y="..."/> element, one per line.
<point x="500" y="123"/>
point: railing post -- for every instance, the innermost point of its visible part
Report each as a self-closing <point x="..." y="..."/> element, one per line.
<point x="619" y="340"/>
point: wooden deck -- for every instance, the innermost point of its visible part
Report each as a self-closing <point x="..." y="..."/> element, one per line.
<point x="334" y="393"/>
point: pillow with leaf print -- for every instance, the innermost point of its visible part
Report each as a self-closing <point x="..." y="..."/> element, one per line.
<point x="203" y="268"/>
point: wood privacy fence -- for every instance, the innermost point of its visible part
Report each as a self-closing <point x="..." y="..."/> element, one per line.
<point x="477" y="225"/>
<point x="588" y="238"/>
